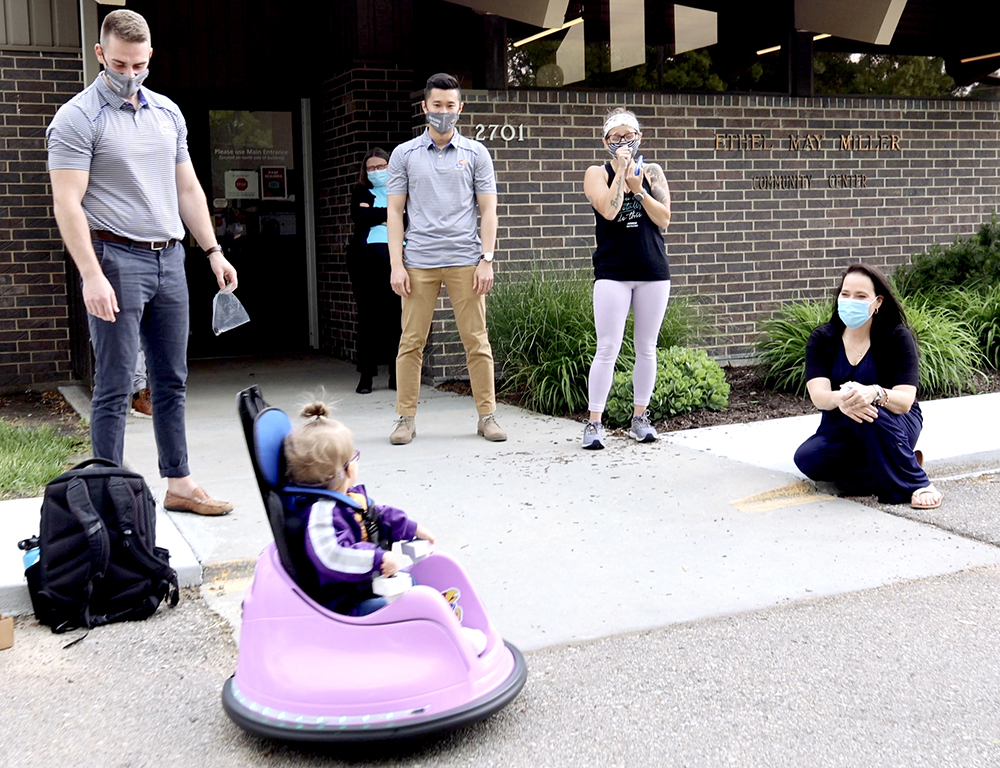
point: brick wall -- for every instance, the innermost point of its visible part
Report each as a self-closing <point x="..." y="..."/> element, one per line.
<point x="739" y="245"/>
<point x="34" y="323"/>
<point x="360" y="109"/>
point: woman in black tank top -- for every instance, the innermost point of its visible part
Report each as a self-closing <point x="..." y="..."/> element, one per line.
<point x="631" y="202"/>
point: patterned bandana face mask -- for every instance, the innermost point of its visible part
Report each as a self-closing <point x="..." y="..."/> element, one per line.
<point x="633" y="145"/>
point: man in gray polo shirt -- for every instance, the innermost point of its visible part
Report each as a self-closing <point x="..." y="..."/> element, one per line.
<point x="123" y="188"/>
<point x="442" y="180"/>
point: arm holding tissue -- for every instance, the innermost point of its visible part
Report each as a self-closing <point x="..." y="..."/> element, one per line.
<point x="193" y="207"/>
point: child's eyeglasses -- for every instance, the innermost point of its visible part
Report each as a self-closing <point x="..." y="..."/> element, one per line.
<point x="342" y="472"/>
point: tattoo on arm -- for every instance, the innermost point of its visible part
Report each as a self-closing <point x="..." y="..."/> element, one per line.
<point x="616" y="200"/>
<point x="658" y="185"/>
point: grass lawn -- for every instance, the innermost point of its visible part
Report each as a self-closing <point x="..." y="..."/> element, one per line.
<point x="33" y="453"/>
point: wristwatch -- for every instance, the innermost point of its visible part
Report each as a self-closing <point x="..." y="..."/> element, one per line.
<point x="487" y="256"/>
<point x="639" y="196"/>
<point x="214" y="249"/>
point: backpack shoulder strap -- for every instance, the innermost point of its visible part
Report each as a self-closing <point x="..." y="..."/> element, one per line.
<point x="121" y="497"/>
<point x="98" y="542"/>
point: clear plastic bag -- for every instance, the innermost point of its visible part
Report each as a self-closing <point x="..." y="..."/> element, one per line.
<point x="227" y="312"/>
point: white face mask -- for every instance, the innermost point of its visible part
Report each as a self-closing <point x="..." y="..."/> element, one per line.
<point x="125" y="86"/>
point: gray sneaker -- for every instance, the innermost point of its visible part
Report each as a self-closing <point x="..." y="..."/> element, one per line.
<point x="404" y="432"/>
<point x="593" y="436"/>
<point x="642" y="431"/>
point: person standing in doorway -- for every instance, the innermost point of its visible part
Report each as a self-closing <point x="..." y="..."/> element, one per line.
<point x="123" y="189"/>
<point x="442" y="180"/>
<point x="368" y="265"/>
<point x="631" y="203"/>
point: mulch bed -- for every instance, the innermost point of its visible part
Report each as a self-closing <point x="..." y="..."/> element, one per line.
<point x="34" y="409"/>
<point x="749" y="400"/>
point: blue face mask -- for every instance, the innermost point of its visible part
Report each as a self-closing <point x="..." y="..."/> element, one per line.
<point x="854" y="312"/>
<point x="379" y="178"/>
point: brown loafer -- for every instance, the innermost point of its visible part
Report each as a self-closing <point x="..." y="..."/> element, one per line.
<point x="200" y="503"/>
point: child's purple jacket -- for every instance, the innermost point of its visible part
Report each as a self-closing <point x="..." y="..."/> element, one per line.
<point x="334" y="543"/>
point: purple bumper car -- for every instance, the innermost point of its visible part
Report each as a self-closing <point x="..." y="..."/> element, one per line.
<point x="305" y="673"/>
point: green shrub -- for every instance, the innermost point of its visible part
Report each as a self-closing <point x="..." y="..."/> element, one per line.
<point x="949" y="349"/>
<point x="971" y="263"/>
<point x="686" y="380"/>
<point x="543" y="337"/>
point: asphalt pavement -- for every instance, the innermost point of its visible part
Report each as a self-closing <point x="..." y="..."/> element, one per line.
<point x="691" y="602"/>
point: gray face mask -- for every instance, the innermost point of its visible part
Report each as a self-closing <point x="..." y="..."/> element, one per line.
<point x="126" y="87"/>
<point x="442" y="122"/>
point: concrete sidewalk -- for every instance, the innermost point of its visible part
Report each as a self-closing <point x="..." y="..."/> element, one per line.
<point x="566" y="545"/>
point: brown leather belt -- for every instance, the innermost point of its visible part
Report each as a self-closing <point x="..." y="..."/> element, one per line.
<point x="156" y="245"/>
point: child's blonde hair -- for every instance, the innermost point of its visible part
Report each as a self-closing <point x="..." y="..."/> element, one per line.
<point x="317" y="451"/>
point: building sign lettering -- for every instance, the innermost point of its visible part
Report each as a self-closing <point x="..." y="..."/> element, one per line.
<point x="809" y="142"/>
<point x="505" y="132"/>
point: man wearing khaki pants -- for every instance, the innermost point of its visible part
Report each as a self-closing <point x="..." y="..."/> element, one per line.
<point x="440" y="179"/>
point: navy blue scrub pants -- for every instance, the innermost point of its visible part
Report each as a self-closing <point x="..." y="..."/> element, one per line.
<point x="868" y="458"/>
<point x="152" y="294"/>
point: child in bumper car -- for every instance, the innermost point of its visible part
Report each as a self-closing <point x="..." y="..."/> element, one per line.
<point x="349" y="537"/>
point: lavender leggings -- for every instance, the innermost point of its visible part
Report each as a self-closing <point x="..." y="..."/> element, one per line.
<point x="612" y="299"/>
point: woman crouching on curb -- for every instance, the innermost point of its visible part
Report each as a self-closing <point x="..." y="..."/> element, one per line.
<point x="631" y="202"/>
<point x="861" y="372"/>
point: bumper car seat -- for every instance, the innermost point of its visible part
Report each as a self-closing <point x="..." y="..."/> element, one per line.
<point x="305" y="673"/>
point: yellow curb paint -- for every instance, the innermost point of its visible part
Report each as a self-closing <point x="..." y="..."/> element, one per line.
<point x="780" y="497"/>
<point x="225" y="570"/>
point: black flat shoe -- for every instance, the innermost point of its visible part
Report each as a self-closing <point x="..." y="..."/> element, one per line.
<point x="364" y="386"/>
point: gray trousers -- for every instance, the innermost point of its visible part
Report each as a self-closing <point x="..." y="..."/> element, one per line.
<point x="152" y="294"/>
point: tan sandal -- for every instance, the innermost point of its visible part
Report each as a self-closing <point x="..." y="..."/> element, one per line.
<point x="930" y="489"/>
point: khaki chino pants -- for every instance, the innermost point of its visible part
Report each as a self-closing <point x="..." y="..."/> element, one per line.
<point x="470" y="316"/>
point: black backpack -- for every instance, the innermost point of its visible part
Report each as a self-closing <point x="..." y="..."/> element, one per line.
<point x="98" y="560"/>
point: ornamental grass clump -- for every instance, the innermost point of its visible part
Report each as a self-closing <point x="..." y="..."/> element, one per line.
<point x="977" y="308"/>
<point x="782" y="347"/>
<point x="686" y="380"/>
<point x="543" y="337"/>
<point x="950" y="355"/>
